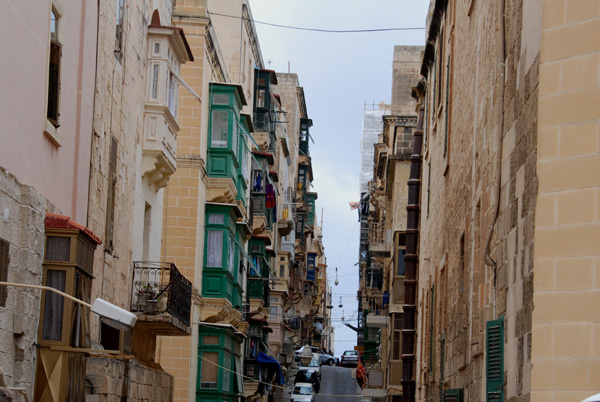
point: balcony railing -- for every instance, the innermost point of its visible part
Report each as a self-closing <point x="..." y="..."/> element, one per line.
<point x="159" y="287"/>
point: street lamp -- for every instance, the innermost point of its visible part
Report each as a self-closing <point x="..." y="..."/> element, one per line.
<point x="112" y="315"/>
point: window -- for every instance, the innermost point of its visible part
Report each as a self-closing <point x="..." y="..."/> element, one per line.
<point x="209" y="370"/>
<point x="227" y="363"/>
<point x="53" y="109"/>
<point x="401" y="267"/>
<point x="453" y="395"/>
<point x="273" y="313"/>
<point x="216" y="219"/>
<point x="220" y="128"/>
<point x="54" y="305"/>
<point x="4" y="248"/>
<point x="173" y="92"/>
<point x="154" y="94"/>
<point x="68" y="264"/>
<point x="231" y="259"/>
<point x="221" y="99"/>
<point x="261" y="98"/>
<point x="215" y="248"/>
<point x="111" y="196"/>
<point x="119" y="27"/>
<point x="494" y="360"/>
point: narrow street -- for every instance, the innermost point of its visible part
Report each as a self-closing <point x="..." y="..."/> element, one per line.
<point x="337" y="385"/>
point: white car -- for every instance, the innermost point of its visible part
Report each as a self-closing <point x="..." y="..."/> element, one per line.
<point x="303" y="392"/>
<point x="593" y="398"/>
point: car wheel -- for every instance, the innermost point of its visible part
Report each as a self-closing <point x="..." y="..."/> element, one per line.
<point x="330" y="362"/>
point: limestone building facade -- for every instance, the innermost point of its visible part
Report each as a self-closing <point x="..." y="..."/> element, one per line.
<point x="47" y="102"/>
<point x="506" y="264"/>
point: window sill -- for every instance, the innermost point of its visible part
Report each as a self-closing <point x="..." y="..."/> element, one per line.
<point x="53" y="134"/>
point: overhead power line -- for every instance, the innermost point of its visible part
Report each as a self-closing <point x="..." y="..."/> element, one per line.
<point x="320" y="30"/>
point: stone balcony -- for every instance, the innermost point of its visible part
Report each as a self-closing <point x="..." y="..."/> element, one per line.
<point x="160" y="144"/>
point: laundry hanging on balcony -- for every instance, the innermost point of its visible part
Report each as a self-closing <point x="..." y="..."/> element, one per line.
<point x="270" y="193"/>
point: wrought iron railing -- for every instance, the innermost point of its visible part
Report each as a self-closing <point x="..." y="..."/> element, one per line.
<point x="159" y="287"/>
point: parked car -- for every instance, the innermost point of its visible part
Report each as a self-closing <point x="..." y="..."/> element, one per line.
<point x="350" y="358"/>
<point x="593" y="398"/>
<point x="308" y="375"/>
<point x="327" y="359"/>
<point x="303" y="392"/>
<point x="324" y="358"/>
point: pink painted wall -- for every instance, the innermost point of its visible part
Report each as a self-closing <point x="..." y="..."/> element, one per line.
<point x="60" y="174"/>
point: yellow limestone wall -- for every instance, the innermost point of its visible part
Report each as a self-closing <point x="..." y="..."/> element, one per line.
<point x="566" y="317"/>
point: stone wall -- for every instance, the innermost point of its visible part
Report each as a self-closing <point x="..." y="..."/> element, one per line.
<point x="566" y="342"/>
<point x="481" y="111"/>
<point x="110" y="378"/>
<point x="23" y="211"/>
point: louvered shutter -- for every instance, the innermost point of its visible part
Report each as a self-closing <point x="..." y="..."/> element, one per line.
<point x="453" y="395"/>
<point x="494" y="360"/>
<point x="54" y="82"/>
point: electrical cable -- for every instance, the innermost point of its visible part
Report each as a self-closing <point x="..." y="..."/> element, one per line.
<point x="320" y="30"/>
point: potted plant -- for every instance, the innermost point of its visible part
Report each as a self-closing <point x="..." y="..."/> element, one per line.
<point x="147" y="297"/>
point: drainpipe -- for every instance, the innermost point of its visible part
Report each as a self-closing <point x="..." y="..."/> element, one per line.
<point x="411" y="259"/>
<point x="487" y="258"/>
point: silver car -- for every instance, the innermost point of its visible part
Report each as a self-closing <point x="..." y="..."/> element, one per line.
<point x="350" y="358"/>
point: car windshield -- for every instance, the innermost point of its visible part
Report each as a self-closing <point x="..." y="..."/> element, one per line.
<point x="302" y="390"/>
<point x="313" y="363"/>
<point x="350" y="353"/>
<point x="303" y="374"/>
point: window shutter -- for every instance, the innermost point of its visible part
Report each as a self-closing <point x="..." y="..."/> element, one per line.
<point x="453" y="395"/>
<point x="54" y="82"/>
<point x="4" y="248"/>
<point x="494" y="360"/>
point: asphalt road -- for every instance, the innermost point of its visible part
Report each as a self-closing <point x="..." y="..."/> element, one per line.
<point x="338" y="384"/>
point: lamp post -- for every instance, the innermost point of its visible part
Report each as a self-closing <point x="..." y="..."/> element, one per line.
<point x="112" y="315"/>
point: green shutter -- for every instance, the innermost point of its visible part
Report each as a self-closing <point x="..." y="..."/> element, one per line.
<point x="453" y="395"/>
<point x="494" y="360"/>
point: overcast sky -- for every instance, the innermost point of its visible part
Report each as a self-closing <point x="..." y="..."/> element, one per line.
<point x="339" y="72"/>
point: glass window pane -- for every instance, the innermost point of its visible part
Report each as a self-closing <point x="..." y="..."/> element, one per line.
<point x="227" y="374"/>
<point x="173" y="95"/>
<point x="216" y="219"/>
<point x="401" y="262"/>
<point x="210" y="340"/>
<point x="54" y="306"/>
<point x="80" y="336"/>
<point x="53" y="25"/>
<point x="155" y="81"/>
<point x="231" y="257"/>
<point x="220" y="99"/>
<point x="215" y="248"/>
<point x="220" y="129"/>
<point x="58" y="248"/>
<point x="209" y="370"/>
